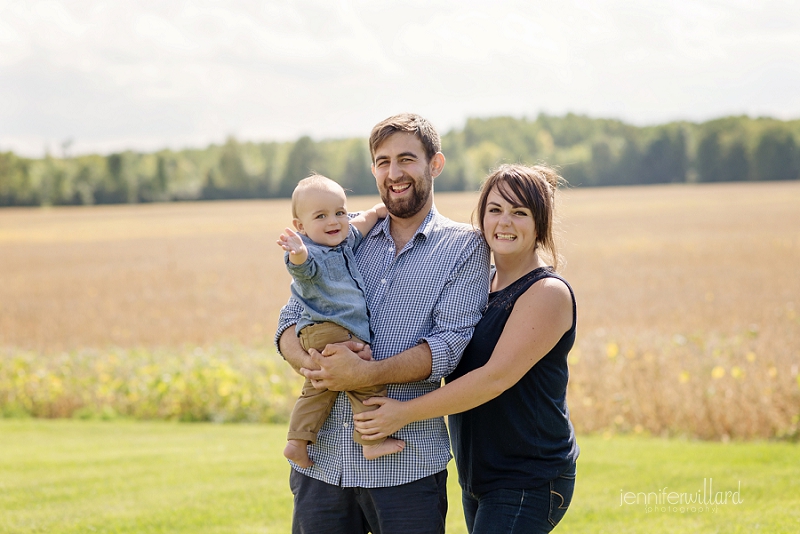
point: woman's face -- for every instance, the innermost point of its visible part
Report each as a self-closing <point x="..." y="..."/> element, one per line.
<point x="508" y="227"/>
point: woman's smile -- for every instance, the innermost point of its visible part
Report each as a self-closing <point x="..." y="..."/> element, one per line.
<point x="505" y="237"/>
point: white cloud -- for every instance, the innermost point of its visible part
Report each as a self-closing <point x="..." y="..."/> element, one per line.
<point x="153" y="73"/>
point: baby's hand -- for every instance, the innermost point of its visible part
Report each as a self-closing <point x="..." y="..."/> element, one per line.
<point x="293" y="244"/>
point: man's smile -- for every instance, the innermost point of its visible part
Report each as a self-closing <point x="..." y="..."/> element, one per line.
<point x="399" y="188"/>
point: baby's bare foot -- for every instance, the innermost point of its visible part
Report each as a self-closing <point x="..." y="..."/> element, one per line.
<point x="389" y="446"/>
<point x="297" y="452"/>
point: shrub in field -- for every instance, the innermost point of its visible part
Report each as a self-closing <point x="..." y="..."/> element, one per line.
<point x="698" y="386"/>
<point x="738" y="387"/>
<point x="220" y="384"/>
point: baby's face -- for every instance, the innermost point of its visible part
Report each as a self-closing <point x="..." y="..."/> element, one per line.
<point x="322" y="216"/>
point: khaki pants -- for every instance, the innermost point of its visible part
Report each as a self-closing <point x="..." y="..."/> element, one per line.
<point x="314" y="405"/>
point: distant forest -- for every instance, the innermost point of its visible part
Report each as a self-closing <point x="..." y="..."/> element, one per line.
<point x="588" y="151"/>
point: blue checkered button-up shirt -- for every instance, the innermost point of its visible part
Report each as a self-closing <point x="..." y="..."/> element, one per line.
<point x="434" y="291"/>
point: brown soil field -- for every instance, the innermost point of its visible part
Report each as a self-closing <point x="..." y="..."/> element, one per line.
<point x="684" y="291"/>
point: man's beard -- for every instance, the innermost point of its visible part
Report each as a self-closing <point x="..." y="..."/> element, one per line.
<point x="405" y="208"/>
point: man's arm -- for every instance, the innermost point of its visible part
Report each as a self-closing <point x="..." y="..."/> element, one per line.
<point x="337" y="368"/>
<point x="459" y="309"/>
<point x="286" y="339"/>
<point x="291" y="350"/>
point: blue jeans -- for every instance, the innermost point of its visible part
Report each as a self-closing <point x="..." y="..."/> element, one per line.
<point x="511" y="511"/>
<point x="418" y="507"/>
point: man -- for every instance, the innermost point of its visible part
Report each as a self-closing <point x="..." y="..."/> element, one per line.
<point x="426" y="284"/>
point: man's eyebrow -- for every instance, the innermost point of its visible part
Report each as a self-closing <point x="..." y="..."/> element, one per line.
<point x="400" y="155"/>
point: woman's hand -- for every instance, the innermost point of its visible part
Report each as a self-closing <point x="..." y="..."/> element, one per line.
<point x="391" y="416"/>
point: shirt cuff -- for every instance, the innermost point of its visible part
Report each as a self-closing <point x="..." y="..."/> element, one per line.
<point x="442" y="363"/>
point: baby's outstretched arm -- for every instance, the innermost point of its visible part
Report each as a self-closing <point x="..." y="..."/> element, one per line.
<point x="365" y="220"/>
<point x="293" y="244"/>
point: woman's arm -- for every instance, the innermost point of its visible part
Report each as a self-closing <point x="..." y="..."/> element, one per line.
<point x="539" y="319"/>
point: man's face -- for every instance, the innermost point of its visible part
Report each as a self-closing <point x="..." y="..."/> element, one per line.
<point x="403" y="174"/>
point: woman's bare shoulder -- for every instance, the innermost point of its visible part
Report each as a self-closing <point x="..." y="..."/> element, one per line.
<point x="548" y="298"/>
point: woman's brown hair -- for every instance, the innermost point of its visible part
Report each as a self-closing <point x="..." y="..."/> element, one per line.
<point x="533" y="188"/>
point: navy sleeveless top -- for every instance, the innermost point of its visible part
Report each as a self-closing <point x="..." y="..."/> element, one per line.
<point x="524" y="437"/>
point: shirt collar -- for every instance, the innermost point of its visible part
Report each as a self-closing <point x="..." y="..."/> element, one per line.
<point x="425" y="228"/>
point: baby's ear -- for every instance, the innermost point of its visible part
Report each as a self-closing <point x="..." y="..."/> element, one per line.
<point x="298" y="226"/>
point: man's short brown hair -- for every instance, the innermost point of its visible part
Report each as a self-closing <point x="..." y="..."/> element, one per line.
<point x="408" y="123"/>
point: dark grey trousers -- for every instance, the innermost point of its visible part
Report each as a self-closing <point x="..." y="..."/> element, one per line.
<point x="418" y="507"/>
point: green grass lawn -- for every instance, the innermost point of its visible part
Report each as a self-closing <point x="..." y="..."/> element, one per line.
<point x="123" y="477"/>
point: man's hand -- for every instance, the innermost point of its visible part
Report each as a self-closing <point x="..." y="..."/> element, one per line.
<point x="362" y="351"/>
<point x="340" y="369"/>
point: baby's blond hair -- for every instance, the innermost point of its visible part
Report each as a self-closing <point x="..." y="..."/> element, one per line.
<point x="315" y="181"/>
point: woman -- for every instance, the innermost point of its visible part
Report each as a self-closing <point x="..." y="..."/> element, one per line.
<point x="512" y="438"/>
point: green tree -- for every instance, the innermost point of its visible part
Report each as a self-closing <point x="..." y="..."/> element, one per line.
<point x="52" y="182"/>
<point x="454" y="176"/>
<point x="736" y="164"/>
<point x="665" y="159"/>
<point x="264" y="181"/>
<point x="603" y="166"/>
<point x="776" y="156"/>
<point x="357" y="174"/>
<point x="570" y="129"/>
<point x="16" y="188"/>
<point x="517" y="137"/>
<point x="629" y="167"/>
<point x="113" y="189"/>
<point x="84" y="186"/>
<point x="303" y="160"/>
<point x="232" y="169"/>
<point x="162" y="174"/>
<point x="153" y="183"/>
<point x="709" y="162"/>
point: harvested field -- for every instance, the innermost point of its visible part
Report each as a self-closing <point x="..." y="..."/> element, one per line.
<point x="141" y="275"/>
<point x="688" y="295"/>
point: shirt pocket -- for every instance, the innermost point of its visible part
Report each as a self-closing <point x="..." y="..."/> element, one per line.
<point x="336" y="267"/>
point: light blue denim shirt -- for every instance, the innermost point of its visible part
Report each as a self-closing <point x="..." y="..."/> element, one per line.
<point x="433" y="291"/>
<point x="329" y="286"/>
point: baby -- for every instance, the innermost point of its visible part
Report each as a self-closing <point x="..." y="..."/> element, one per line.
<point x="326" y="282"/>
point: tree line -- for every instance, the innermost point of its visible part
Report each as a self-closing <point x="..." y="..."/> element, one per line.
<point x="588" y="152"/>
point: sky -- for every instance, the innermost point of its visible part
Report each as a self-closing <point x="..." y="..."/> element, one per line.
<point x="86" y="76"/>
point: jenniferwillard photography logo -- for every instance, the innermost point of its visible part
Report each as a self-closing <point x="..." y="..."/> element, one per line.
<point x="707" y="499"/>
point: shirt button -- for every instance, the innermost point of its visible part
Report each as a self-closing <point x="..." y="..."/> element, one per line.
<point x="346" y="425"/>
<point x="383" y="281"/>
